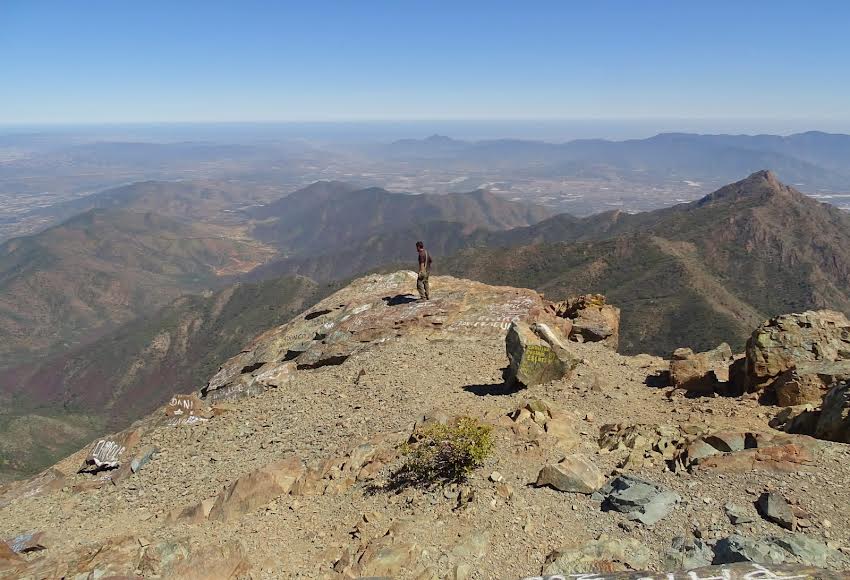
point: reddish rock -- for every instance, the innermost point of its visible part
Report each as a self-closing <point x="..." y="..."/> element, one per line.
<point x="700" y="372"/>
<point x="809" y="382"/>
<point x="785" y="458"/>
<point x="744" y="451"/>
<point x="8" y="557"/>
<point x="257" y="488"/>
<point x="193" y="514"/>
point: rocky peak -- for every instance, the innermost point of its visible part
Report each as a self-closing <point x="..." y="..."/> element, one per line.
<point x="762" y="186"/>
<point x="371" y="311"/>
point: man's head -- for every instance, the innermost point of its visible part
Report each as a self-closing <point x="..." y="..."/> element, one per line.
<point x="419" y="245"/>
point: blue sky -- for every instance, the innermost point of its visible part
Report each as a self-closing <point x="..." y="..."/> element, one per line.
<point x="80" y="61"/>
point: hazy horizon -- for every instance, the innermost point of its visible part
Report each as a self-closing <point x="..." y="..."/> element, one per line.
<point x="380" y="130"/>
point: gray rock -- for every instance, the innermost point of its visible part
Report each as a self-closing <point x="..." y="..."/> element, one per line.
<point x="807" y="550"/>
<point x="685" y="554"/>
<point x="833" y="423"/>
<point x="737" y="514"/>
<point x="142" y="457"/>
<point x="638" y="499"/>
<point x="737" y="548"/>
<point x="774" y="508"/>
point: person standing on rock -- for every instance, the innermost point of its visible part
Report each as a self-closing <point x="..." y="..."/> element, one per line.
<point x="424" y="271"/>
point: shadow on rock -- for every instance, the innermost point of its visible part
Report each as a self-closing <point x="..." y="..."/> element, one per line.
<point x="659" y="380"/>
<point x="493" y="389"/>
<point x="399" y="299"/>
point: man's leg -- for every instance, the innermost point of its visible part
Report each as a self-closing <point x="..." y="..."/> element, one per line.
<point x="420" y="286"/>
<point x="427" y="287"/>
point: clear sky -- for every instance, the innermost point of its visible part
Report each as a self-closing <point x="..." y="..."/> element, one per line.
<point x="76" y="61"/>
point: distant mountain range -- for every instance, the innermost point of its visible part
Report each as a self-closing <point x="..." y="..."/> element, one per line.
<point x="692" y="275"/>
<point x="813" y="160"/>
<point x="102" y="268"/>
<point x="185" y="200"/>
<point x="331" y="216"/>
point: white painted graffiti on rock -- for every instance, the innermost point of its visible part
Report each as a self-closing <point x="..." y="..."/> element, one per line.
<point x="105" y="454"/>
<point x="740" y="571"/>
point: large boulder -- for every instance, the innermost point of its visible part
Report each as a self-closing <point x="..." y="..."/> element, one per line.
<point x="592" y="318"/>
<point x="536" y="355"/>
<point x="833" y="422"/>
<point x="700" y="372"/>
<point x="809" y="382"/>
<point x="796" y="341"/>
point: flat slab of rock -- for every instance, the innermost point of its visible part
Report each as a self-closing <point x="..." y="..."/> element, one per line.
<point x="257" y="489"/>
<point x="108" y="452"/>
<point x="617" y="554"/>
<point x="185" y="409"/>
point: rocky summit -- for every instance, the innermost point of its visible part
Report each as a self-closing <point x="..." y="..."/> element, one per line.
<point x="285" y="462"/>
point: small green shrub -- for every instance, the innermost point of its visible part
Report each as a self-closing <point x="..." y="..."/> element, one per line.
<point x="442" y="454"/>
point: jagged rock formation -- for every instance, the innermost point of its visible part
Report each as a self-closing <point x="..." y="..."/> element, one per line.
<point x="591" y="318"/>
<point x="808" y="344"/>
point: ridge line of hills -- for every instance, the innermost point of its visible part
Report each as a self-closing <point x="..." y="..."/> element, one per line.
<point x="691" y="275"/>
